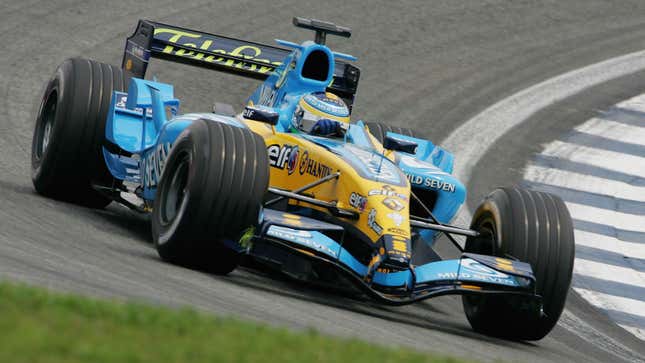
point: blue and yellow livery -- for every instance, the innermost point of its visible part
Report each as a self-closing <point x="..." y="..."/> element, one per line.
<point x="368" y="234"/>
<point x="354" y="207"/>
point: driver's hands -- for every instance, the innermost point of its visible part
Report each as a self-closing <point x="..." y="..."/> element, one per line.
<point x="326" y="127"/>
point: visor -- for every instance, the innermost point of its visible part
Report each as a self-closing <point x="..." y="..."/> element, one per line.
<point x="308" y="120"/>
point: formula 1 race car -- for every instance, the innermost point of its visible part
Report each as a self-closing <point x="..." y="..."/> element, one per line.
<point x="340" y="208"/>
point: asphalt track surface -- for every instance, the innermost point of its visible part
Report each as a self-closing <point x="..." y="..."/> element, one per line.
<point x="430" y="65"/>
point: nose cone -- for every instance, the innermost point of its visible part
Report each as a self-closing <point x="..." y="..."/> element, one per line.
<point x="388" y="219"/>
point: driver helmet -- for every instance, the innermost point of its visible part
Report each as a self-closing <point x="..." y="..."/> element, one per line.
<point x="316" y="106"/>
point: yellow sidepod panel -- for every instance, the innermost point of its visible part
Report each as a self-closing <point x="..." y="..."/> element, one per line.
<point x="383" y="208"/>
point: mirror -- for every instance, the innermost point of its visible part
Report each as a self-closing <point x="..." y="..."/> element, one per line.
<point x="392" y="143"/>
<point x="261" y="114"/>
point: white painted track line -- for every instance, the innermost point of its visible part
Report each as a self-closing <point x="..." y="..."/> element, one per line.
<point x="627" y="313"/>
<point x="613" y="130"/>
<point x="590" y="240"/>
<point x="599" y="170"/>
<point x="589" y="156"/>
<point x="607" y="216"/>
<point x="630" y="280"/>
<point x="603" y="186"/>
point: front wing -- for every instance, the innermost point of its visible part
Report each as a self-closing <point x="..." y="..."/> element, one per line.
<point x="469" y="274"/>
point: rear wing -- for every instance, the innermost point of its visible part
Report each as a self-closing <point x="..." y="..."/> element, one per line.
<point x="241" y="57"/>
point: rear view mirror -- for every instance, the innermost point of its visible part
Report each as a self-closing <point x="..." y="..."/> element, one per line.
<point x="261" y="114"/>
<point x="392" y="143"/>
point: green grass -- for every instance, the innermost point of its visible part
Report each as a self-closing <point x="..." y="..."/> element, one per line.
<point x="41" y="326"/>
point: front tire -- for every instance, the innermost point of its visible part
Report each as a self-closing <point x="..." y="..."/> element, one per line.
<point x="534" y="227"/>
<point x="210" y="191"/>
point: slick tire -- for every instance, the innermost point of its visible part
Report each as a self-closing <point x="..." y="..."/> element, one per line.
<point x="210" y="192"/>
<point x="66" y="152"/>
<point x="533" y="227"/>
<point x="379" y="130"/>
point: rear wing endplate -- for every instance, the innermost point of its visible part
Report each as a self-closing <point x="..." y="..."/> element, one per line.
<point x="241" y="57"/>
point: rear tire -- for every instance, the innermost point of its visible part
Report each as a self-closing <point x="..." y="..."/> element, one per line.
<point x="66" y="152"/>
<point x="379" y="130"/>
<point x="533" y="227"/>
<point x="211" y="190"/>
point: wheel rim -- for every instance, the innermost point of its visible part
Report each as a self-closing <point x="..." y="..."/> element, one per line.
<point x="486" y="243"/>
<point x="175" y="193"/>
<point x="46" y="125"/>
<point x="46" y="133"/>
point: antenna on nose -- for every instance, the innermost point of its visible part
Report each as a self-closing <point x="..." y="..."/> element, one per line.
<point x="322" y="28"/>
